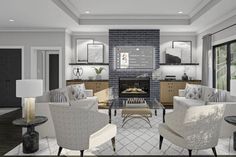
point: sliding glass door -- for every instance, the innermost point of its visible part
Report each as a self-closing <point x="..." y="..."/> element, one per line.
<point x="224" y="60"/>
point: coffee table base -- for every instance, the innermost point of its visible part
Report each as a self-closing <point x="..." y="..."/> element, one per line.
<point x="142" y="113"/>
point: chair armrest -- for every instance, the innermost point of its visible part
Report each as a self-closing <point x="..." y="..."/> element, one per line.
<point x="89" y="92"/>
<point x="91" y="103"/>
<point x="97" y="121"/>
<point x="181" y="92"/>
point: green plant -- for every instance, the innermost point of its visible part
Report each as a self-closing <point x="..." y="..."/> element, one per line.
<point x="98" y="70"/>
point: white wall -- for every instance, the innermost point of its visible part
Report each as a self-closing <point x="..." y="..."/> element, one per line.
<point x="33" y="39"/>
<point x="166" y="42"/>
<point x="221" y="37"/>
<point x="69" y="55"/>
<point x="88" y="71"/>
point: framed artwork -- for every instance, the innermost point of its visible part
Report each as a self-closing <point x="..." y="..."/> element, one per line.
<point x="95" y="53"/>
<point x="186" y="50"/>
<point x="81" y="49"/>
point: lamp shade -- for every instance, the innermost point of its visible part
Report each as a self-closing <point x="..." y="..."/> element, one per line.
<point x="233" y="87"/>
<point x="29" y="88"/>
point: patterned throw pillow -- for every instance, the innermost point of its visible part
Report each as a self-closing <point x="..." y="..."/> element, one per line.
<point x="210" y="94"/>
<point x="78" y="92"/>
<point x="193" y="91"/>
<point x="57" y="96"/>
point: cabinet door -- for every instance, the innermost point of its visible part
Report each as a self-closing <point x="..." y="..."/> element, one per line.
<point x="165" y="89"/>
<point x="90" y="85"/>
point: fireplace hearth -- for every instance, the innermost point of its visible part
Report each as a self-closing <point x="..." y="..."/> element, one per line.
<point x="134" y="87"/>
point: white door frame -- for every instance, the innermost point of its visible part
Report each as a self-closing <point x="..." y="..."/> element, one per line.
<point x="34" y="50"/>
<point x="22" y="57"/>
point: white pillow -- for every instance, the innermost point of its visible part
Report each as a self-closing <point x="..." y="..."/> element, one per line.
<point x="77" y="92"/>
<point x="193" y="91"/>
<point x="210" y="94"/>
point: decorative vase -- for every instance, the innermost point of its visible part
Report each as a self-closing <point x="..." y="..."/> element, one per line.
<point x="98" y="77"/>
<point x="185" y="77"/>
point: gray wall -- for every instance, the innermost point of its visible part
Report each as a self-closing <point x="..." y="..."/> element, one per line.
<point x="133" y="38"/>
<point x="33" y="39"/>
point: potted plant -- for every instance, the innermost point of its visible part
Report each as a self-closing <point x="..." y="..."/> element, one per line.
<point x="98" y="72"/>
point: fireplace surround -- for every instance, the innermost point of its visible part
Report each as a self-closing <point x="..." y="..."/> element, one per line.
<point x="134" y="87"/>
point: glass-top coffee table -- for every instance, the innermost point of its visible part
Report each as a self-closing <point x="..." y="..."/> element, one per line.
<point x="136" y="110"/>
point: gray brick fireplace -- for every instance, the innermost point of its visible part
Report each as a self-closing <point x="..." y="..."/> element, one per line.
<point x="131" y="37"/>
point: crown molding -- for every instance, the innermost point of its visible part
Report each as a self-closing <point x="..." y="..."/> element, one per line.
<point x="134" y="22"/>
<point x="90" y="33"/>
<point x="28" y="29"/>
<point x="218" y="21"/>
<point x="132" y="16"/>
<point x="203" y="10"/>
<point x="178" y="33"/>
<point x="66" y="9"/>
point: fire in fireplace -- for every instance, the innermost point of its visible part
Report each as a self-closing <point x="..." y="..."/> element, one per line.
<point x="134" y="87"/>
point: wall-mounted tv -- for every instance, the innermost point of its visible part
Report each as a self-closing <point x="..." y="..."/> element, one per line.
<point x="134" y="57"/>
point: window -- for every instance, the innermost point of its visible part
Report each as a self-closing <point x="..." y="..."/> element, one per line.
<point x="224" y="63"/>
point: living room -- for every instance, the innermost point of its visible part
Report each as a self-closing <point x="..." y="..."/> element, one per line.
<point x="89" y="78"/>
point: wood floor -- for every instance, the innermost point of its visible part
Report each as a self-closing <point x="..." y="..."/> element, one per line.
<point x="10" y="135"/>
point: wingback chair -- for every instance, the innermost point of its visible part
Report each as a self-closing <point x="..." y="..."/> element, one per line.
<point x="198" y="128"/>
<point x="80" y="129"/>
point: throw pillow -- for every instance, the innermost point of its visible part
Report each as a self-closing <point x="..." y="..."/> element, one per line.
<point x="77" y="92"/>
<point x="58" y="96"/>
<point x="193" y="91"/>
<point x="210" y="94"/>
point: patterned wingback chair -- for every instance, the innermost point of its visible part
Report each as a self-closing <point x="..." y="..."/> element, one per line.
<point x="198" y="128"/>
<point x="80" y="129"/>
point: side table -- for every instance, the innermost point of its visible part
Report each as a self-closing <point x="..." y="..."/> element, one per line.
<point x="232" y="120"/>
<point x="31" y="137"/>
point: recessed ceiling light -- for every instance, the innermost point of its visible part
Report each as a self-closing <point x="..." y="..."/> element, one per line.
<point x="137" y="49"/>
<point x="11" y="20"/>
<point x="87" y="12"/>
<point x="180" y="12"/>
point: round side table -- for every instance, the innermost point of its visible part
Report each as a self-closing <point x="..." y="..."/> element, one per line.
<point x="232" y="120"/>
<point x="31" y="137"/>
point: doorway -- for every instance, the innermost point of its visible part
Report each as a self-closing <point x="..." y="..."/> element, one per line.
<point x="10" y="71"/>
<point x="45" y="65"/>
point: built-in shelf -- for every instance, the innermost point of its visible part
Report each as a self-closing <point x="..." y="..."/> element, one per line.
<point x="179" y="63"/>
<point x="88" y="63"/>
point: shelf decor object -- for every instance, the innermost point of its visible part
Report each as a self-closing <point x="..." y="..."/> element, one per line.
<point x="81" y="49"/>
<point x="186" y="50"/>
<point x="28" y="90"/>
<point x="78" y="72"/>
<point x="95" y="53"/>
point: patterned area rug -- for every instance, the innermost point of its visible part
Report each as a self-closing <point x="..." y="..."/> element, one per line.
<point x="135" y="138"/>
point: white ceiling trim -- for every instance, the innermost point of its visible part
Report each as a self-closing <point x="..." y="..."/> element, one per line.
<point x="33" y="29"/>
<point x="66" y="9"/>
<point x="134" y="22"/>
<point x="204" y="9"/>
<point x="218" y="21"/>
<point x="200" y="5"/>
<point x="71" y="7"/>
<point x="120" y="17"/>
